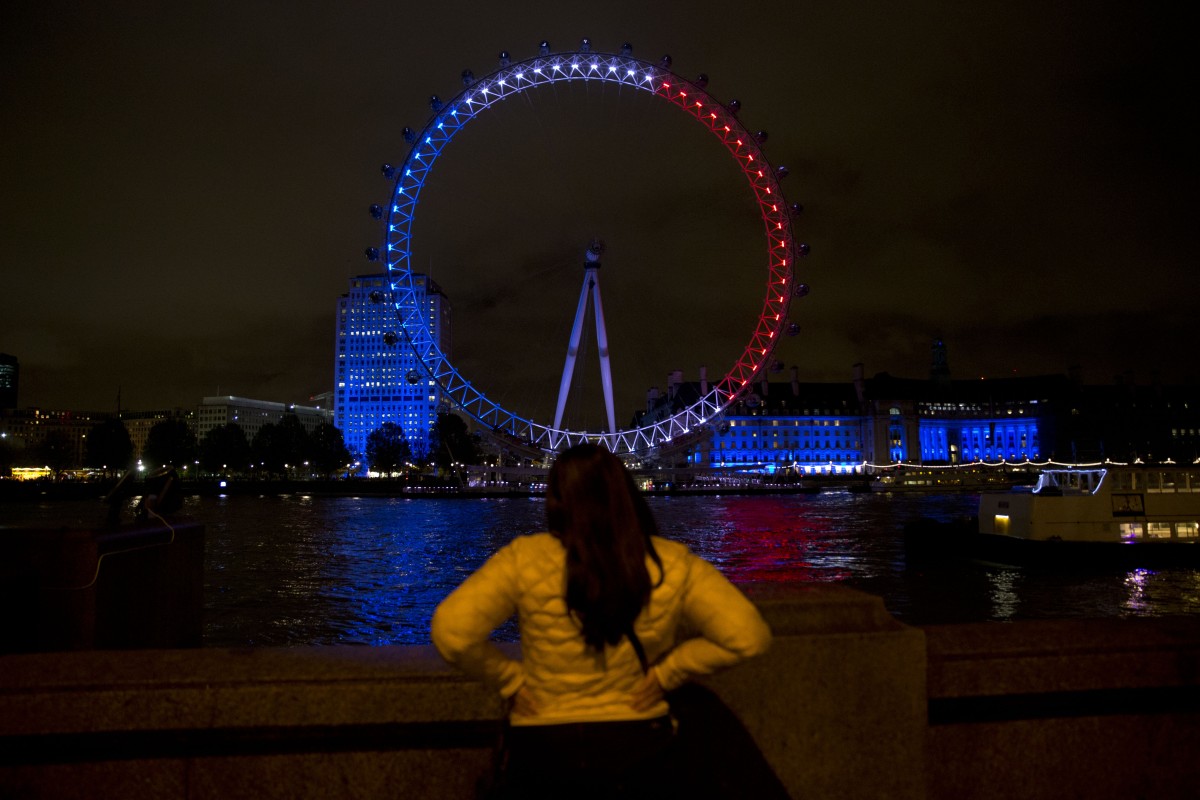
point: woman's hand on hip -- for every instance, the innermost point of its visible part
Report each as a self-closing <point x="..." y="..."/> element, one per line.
<point x="523" y="703"/>
<point x="647" y="694"/>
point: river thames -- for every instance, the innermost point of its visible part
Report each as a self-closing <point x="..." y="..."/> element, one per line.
<point x="296" y="569"/>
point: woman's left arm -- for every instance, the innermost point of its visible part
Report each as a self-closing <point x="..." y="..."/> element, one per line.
<point x="463" y="622"/>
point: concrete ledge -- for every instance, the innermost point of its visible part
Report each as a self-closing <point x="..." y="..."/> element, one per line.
<point x="164" y="690"/>
<point x="842" y="687"/>
<point x="1051" y="709"/>
<point x="849" y="703"/>
<point x="1051" y="655"/>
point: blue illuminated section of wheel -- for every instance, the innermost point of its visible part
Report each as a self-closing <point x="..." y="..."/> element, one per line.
<point x="720" y="119"/>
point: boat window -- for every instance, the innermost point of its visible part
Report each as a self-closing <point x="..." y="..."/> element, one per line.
<point x="1123" y="481"/>
<point x="1127" y="504"/>
<point x="1131" y="530"/>
<point x="1154" y="482"/>
<point x="1158" y="530"/>
<point x="1187" y="530"/>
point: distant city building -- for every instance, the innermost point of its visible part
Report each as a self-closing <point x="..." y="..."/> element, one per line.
<point x="139" y="423"/>
<point x="28" y="430"/>
<point x="10" y="372"/>
<point x="779" y="427"/>
<point x="832" y="428"/>
<point x="252" y="415"/>
<point x="941" y="421"/>
<point x="376" y="378"/>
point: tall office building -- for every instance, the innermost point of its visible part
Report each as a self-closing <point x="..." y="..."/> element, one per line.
<point x="10" y="371"/>
<point x="376" y="378"/>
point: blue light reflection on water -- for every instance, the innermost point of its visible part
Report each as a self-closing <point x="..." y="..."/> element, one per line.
<point x="294" y="569"/>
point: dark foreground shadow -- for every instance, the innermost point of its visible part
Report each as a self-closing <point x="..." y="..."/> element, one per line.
<point x="716" y="753"/>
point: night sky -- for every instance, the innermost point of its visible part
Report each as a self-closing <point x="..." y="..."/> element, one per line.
<point x="185" y="191"/>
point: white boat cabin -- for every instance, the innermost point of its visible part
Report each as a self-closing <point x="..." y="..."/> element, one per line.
<point x="1113" y="504"/>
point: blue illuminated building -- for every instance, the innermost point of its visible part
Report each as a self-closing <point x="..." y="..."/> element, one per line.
<point x="779" y="427"/>
<point x="377" y="379"/>
<point x="938" y="422"/>
<point x="789" y="427"/>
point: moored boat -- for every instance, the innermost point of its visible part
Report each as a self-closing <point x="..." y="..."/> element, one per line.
<point x="1122" y="514"/>
<point x="1131" y="516"/>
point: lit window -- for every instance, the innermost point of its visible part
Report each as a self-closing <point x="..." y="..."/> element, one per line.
<point x="1158" y="530"/>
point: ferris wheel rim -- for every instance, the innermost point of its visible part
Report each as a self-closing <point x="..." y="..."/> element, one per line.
<point x="514" y="78"/>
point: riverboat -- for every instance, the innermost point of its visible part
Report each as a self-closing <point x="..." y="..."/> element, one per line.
<point x="942" y="480"/>
<point x="1129" y="516"/>
<point x="1126" y="514"/>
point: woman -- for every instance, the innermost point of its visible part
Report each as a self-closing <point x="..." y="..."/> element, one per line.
<point x="599" y="599"/>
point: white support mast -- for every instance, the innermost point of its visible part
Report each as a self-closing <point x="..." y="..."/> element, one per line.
<point x="591" y="286"/>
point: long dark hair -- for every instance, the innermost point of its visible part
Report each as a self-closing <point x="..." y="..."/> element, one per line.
<point x="596" y="510"/>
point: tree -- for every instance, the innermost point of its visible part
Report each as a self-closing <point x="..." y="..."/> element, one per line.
<point x="109" y="447"/>
<point x="327" y="449"/>
<point x="453" y="442"/>
<point x="265" y="451"/>
<point x="56" y="451"/>
<point x="171" y="442"/>
<point x="292" y="442"/>
<point x="8" y="456"/>
<point x="224" y="448"/>
<point x="387" y="449"/>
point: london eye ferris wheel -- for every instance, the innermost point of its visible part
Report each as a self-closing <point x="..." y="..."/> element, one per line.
<point x="522" y="78"/>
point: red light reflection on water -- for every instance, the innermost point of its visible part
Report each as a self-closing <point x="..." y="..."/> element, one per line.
<point x="769" y="539"/>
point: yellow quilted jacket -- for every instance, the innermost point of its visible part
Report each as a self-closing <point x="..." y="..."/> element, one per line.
<point x="569" y="681"/>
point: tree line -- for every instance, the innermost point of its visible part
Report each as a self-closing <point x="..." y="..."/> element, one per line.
<point x="284" y="449"/>
<point x="278" y="449"/>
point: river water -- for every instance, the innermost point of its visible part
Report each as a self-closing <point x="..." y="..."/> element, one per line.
<point x="297" y="569"/>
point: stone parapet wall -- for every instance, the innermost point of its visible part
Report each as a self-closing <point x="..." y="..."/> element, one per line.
<point x="1052" y="709"/>
<point x="848" y="703"/>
